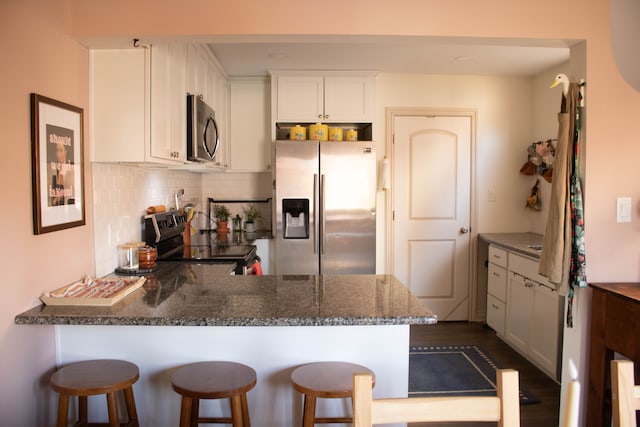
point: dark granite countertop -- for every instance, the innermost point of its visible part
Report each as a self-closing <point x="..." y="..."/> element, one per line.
<point x="186" y="294"/>
<point x="528" y="244"/>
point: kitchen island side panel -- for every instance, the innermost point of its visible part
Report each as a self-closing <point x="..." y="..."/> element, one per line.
<point x="272" y="351"/>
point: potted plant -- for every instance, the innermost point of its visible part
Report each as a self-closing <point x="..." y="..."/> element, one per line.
<point x="222" y="216"/>
<point x="251" y="213"/>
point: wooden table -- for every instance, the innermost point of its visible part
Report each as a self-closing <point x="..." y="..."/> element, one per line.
<point x="615" y="328"/>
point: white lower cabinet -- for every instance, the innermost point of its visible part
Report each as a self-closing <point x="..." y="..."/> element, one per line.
<point x="495" y="314"/>
<point x="529" y="319"/>
<point x="545" y="335"/>
<point x="533" y="322"/>
<point x="519" y="311"/>
<point x="497" y="289"/>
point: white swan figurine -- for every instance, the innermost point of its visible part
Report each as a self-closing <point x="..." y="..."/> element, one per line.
<point x="561" y="79"/>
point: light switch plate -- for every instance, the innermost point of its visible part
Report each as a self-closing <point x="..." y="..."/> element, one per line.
<point x="623" y="211"/>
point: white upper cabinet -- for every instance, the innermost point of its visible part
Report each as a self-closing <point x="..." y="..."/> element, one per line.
<point x="128" y="123"/>
<point x="198" y="72"/>
<point x="250" y="145"/>
<point x="309" y="97"/>
<point x="348" y="98"/>
<point x="168" y="102"/>
<point x="299" y="98"/>
<point x="205" y="78"/>
<point x="218" y="90"/>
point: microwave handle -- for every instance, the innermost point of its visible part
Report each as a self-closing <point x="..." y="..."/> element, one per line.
<point x="212" y="154"/>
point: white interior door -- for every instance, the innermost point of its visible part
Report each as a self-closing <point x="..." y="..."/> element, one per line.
<point x="431" y="204"/>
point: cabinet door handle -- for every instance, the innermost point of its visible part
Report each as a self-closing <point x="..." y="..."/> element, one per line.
<point x="320" y="116"/>
<point x="496" y="274"/>
<point x="494" y="306"/>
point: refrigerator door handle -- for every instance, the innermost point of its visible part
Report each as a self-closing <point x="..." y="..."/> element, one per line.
<point x="323" y="232"/>
<point x="315" y="210"/>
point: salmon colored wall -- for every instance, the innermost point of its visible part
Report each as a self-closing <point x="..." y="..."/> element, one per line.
<point x="39" y="56"/>
<point x="488" y="18"/>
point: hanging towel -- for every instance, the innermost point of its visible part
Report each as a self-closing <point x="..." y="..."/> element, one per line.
<point x="256" y="269"/>
<point x="555" y="258"/>
<point x="577" y="270"/>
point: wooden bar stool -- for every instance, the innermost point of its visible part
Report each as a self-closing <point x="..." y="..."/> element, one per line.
<point x="94" y="377"/>
<point x="328" y="380"/>
<point x="214" y="380"/>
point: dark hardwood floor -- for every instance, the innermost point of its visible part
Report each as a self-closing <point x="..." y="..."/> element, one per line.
<point x="543" y="414"/>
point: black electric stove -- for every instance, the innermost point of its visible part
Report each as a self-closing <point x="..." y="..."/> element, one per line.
<point x="164" y="232"/>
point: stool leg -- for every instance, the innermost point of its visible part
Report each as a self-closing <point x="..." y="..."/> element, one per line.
<point x="83" y="417"/>
<point x="185" y="412"/>
<point x="132" y="413"/>
<point x="236" y="411"/>
<point x="195" y="412"/>
<point x="246" y="422"/>
<point x="112" y="407"/>
<point x="309" y="413"/>
<point x="63" y="410"/>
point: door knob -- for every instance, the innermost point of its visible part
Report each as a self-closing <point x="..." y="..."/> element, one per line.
<point x="464" y="230"/>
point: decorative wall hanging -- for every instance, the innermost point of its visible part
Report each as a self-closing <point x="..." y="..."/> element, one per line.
<point x="533" y="201"/>
<point x="540" y="159"/>
<point x="56" y="164"/>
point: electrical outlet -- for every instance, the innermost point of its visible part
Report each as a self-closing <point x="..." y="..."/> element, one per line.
<point x="492" y="195"/>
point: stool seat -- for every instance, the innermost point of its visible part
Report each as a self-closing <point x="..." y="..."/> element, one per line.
<point x="328" y="380"/>
<point x="214" y="380"/>
<point x="93" y="377"/>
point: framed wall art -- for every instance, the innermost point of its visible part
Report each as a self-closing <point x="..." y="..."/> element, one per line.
<point x="57" y="165"/>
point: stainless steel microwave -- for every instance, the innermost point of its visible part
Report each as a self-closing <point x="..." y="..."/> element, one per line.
<point x="203" y="139"/>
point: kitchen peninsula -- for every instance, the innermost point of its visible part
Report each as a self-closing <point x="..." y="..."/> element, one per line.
<point x="195" y="312"/>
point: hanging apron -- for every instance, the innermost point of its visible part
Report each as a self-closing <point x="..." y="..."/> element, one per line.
<point x="562" y="256"/>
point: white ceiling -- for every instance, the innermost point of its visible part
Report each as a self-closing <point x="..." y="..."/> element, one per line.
<point x="254" y="56"/>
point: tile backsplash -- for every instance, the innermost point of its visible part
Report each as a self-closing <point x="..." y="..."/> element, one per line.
<point x="122" y="193"/>
<point x="240" y="186"/>
<point x="121" y="196"/>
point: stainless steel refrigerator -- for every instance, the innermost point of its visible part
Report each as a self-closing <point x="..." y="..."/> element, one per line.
<point x="325" y="200"/>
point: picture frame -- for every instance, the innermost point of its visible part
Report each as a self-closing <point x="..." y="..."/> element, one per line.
<point x="57" y="165"/>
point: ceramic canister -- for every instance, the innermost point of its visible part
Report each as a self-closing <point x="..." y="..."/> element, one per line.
<point x="335" y="134"/>
<point x="298" y="133"/>
<point x="352" y="135"/>
<point x="319" y="132"/>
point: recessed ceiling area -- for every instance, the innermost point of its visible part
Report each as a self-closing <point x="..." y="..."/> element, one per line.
<point x="254" y="56"/>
